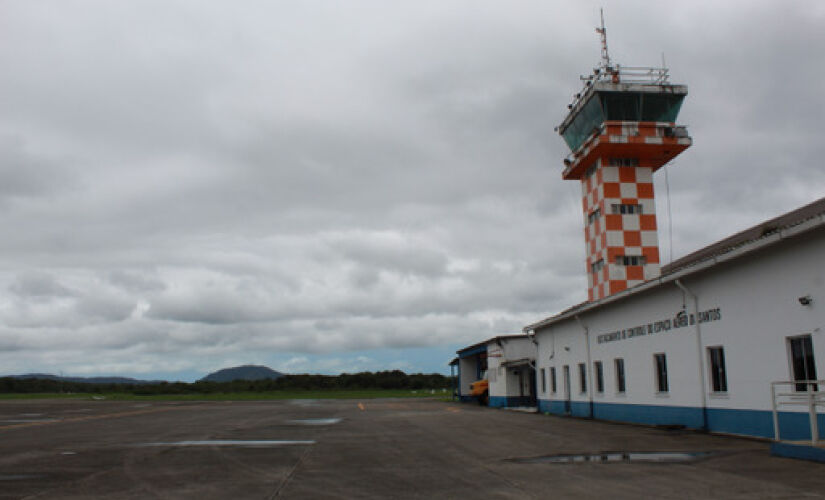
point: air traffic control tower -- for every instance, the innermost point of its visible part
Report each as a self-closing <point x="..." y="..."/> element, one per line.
<point x="621" y="129"/>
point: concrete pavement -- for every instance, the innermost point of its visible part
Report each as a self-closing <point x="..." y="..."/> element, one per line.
<point x="391" y="448"/>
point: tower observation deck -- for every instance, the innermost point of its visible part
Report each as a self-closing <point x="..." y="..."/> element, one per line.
<point x="621" y="128"/>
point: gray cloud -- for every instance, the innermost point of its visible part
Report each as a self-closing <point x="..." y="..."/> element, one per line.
<point x="38" y="284"/>
<point x="135" y="281"/>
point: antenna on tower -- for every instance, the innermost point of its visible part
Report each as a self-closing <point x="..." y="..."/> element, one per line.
<point x="602" y="31"/>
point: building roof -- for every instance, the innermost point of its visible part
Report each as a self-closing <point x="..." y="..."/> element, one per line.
<point x="785" y="221"/>
<point x="799" y="221"/>
<point x="493" y="339"/>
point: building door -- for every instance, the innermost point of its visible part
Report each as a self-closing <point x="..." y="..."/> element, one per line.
<point x="566" y="376"/>
<point x="533" y="392"/>
<point x="802" y="362"/>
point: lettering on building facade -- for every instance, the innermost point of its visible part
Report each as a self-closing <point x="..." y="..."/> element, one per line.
<point x="679" y="320"/>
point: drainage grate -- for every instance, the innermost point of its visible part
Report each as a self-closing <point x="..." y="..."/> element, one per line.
<point x="618" y="456"/>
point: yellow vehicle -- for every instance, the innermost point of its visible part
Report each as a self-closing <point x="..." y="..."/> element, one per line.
<point x="481" y="389"/>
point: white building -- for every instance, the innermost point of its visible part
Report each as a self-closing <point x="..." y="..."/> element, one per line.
<point x="507" y="362"/>
<point x="700" y="345"/>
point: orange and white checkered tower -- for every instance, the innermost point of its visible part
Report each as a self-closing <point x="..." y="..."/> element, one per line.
<point x="621" y="129"/>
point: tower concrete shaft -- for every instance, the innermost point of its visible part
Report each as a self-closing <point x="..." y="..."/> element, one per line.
<point x="621" y="129"/>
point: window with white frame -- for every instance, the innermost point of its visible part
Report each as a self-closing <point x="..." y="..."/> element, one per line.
<point x="660" y="365"/>
<point x="594" y="216"/>
<point x="618" y="364"/>
<point x="718" y="375"/>
<point x="626" y="208"/>
<point x="631" y="260"/>
<point x="543" y="374"/>
<point x="802" y="362"/>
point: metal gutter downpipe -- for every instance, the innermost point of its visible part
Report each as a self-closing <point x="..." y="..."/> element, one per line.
<point x="535" y="365"/>
<point x="531" y="334"/>
<point x="699" y="352"/>
<point x="589" y="367"/>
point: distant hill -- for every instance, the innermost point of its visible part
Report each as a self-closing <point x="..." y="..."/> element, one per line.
<point x="246" y="372"/>
<point x="86" y="380"/>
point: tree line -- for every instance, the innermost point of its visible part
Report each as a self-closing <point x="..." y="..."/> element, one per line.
<point x="394" y="379"/>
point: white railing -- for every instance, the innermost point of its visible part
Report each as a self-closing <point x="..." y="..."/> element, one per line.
<point x="629" y="74"/>
<point x="807" y="393"/>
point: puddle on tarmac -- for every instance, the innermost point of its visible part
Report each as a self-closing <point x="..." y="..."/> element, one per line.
<point x="19" y="477"/>
<point x="661" y="457"/>
<point x="303" y="402"/>
<point x="316" y="421"/>
<point x="27" y="420"/>
<point x="227" y="442"/>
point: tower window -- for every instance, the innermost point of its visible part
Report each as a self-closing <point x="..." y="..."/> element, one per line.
<point x="631" y="260"/>
<point x="624" y="162"/>
<point x="625" y="208"/>
<point x="594" y="216"/>
<point x="582" y="378"/>
<point x="597" y="266"/>
<point x="553" y="379"/>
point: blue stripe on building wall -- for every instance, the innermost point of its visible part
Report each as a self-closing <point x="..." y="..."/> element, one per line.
<point x="803" y="452"/>
<point x="498" y="402"/>
<point x="510" y="401"/>
<point x="792" y="426"/>
<point x="577" y="408"/>
<point x="650" y="414"/>
<point x="551" y="406"/>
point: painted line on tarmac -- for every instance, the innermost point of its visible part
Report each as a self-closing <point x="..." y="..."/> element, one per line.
<point x="87" y="418"/>
<point x="233" y="442"/>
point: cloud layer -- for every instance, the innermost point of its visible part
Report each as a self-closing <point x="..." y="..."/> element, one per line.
<point x="320" y="186"/>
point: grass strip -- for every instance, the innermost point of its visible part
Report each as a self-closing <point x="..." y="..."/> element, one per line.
<point x="239" y="396"/>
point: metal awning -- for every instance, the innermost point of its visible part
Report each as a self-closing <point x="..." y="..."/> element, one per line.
<point x="512" y="363"/>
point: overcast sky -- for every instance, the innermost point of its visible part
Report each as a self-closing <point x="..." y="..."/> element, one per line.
<point x="325" y="186"/>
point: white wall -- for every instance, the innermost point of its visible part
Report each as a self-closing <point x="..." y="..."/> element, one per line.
<point x="504" y="382"/>
<point x="467" y="374"/>
<point x="757" y="297"/>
